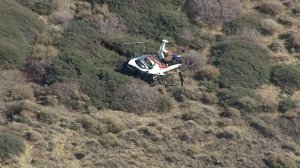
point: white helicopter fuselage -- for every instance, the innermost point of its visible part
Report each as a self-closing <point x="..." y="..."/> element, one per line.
<point x="150" y="65"/>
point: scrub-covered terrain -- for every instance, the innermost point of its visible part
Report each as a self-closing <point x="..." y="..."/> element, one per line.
<point x="65" y="102"/>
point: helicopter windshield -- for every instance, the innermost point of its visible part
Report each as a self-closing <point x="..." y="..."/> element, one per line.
<point x="149" y="61"/>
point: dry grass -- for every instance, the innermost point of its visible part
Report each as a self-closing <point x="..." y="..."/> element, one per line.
<point x="61" y="17"/>
<point x="231" y="112"/>
<point x="262" y="128"/>
<point x="114" y="123"/>
<point x="21" y="92"/>
<point x="286" y="21"/>
<point x="269" y="26"/>
<point x="269" y="7"/>
<point x="247" y="34"/>
<point x="231" y="132"/>
<point x="109" y="139"/>
<point x="209" y="72"/>
<point x="45" y="39"/>
<point x="198" y="116"/>
<point x="269" y="96"/>
<point x="101" y="9"/>
<point x="280" y="160"/>
<point x="64" y="91"/>
<point x="83" y="9"/>
<point x="44" y="52"/>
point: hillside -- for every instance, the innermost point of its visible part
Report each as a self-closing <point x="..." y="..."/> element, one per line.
<point x="65" y="101"/>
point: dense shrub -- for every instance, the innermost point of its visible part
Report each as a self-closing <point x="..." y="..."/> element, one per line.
<point x="18" y="27"/>
<point x="296" y="10"/>
<point x="280" y="160"/>
<point x="241" y="64"/>
<point x="151" y="19"/>
<point x="291" y="146"/>
<point x="223" y="11"/>
<point x="198" y="116"/>
<point x="110" y="25"/>
<point x="286" y="104"/>
<point x="289" y="126"/>
<point x="293" y="42"/>
<point x="240" y="23"/>
<point x="285" y="20"/>
<point x="42" y="7"/>
<point x="93" y="2"/>
<point x="80" y="60"/>
<point x="277" y="46"/>
<point x="192" y="37"/>
<point x="231" y="132"/>
<point x="10" y="145"/>
<point x="103" y="87"/>
<point x="243" y="99"/>
<point x="179" y="93"/>
<point x="140" y="98"/>
<point x="165" y="104"/>
<point x="286" y="76"/>
<point x="193" y="60"/>
<point x="40" y="71"/>
<point x="270" y="8"/>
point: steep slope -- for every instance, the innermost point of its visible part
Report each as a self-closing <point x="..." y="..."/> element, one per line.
<point x="65" y="103"/>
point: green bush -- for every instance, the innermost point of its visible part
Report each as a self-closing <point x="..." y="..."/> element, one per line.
<point x="19" y="28"/>
<point x="42" y="7"/>
<point x="241" y="64"/>
<point x="84" y="60"/>
<point x="155" y="21"/>
<point x="286" y="76"/>
<point x="286" y="104"/>
<point x="10" y="145"/>
<point x="240" y="23"/>
<point x="243" y="99"/>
